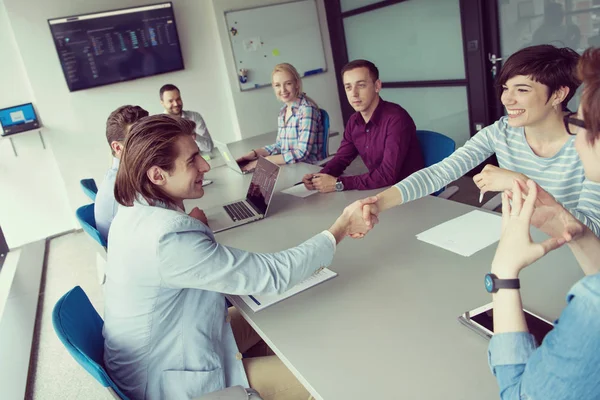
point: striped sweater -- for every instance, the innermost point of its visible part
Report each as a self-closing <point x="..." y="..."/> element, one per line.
<point x="561" y="175"/>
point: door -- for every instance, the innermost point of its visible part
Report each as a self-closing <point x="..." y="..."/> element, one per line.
<point x="432" y="56"/>
<point x="563" y="23"/>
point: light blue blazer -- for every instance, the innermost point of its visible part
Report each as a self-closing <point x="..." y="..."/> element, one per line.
<point x="165" y="321"/>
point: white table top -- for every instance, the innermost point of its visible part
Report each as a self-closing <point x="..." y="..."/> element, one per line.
<point x="386" y="327"/>
<point x="243" y="146"/>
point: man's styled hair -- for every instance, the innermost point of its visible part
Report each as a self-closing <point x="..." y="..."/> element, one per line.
<point x="549" y="65"/>
<point x="373" y="71"/>
<point x="589" y="72"/>
<point x="167" y="88"/>
<point x="120" y="120"/>
<point x="151" y="142"/>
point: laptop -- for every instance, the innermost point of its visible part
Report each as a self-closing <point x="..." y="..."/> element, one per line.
<point x="256" y="204"/>
<point x="229" y="159"/>
<point x="18" y="119"/>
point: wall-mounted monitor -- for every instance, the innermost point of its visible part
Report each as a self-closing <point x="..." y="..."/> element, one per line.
<point x="17" y="119"/>
<point x="115" y="46"/>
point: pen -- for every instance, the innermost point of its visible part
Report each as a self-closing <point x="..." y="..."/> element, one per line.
<point x="296" y="184"/>
<point x="480" y="197"/>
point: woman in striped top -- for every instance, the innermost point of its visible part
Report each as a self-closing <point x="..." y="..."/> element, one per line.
<point x="565" y="366"/>
<point x="531" y="142"/>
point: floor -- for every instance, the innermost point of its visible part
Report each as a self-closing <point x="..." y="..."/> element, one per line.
<point x="71" y="261"/>
<point x="53" y="373"/>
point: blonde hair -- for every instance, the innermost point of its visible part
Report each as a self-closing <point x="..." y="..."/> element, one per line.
<point x="290" y="69"/>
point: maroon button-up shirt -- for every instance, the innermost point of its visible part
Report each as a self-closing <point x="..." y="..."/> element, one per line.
<point x="387" y="144"/>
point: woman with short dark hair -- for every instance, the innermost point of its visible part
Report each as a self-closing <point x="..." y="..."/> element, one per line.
<point x="532" y="141"/>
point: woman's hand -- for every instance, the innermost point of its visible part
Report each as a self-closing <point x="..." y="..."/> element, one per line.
<point x="494" y="179"/>
<point x="253" y="155"/>
<point x="516" y="250"/>
<point x="551" y="217"/>
<point x="250" y="166"/>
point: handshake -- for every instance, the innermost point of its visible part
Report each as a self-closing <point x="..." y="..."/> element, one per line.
<point x="356" y="220"/>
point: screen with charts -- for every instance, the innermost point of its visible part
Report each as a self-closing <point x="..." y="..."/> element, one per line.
<point x="18" y="119"/>
<point x="114" y="46"/>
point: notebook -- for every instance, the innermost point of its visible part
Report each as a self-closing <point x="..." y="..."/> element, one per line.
<point x="260" y="302"/>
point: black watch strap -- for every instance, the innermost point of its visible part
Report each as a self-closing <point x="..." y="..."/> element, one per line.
<point x="508" y="283"/>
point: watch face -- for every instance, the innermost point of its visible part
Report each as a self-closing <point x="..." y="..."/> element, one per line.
<point x="489" y="283"/>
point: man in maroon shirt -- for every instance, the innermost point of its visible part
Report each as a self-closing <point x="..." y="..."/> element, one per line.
<point x="382" y="133"/>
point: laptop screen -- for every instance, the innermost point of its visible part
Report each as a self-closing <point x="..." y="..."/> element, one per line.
<point x="262" y="185"/>
<point x="18" y="119"/>
<point x="224" y="150"/>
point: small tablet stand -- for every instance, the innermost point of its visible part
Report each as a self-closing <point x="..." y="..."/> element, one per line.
<point x="10" y="138"/>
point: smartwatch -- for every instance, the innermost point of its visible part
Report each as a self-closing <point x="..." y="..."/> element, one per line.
<point x="493" y="283"/>
<point x="339" y="186"/>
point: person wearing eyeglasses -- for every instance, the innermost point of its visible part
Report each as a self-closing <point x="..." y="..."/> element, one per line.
<point x="117" y="127"/>
<point x="531" y="142"/>
<point x="566" y="364"/>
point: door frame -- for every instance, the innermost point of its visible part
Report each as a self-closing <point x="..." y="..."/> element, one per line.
<point x="480" y="36"/>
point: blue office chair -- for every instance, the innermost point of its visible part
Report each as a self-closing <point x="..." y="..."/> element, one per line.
<point x="435" y="148"/>
<point x="89" y="188"/>
<point x="79" y="328"/>
<point x="325" y="121"/>
<point x="85" y="216"/>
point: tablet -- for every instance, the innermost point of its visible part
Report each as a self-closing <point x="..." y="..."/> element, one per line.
<point x="481" y="320"/>
<point x="17" y="119"/>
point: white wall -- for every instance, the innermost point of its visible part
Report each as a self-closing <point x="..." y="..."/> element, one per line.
<point x="257" y="110"/>
<point x="74" y="122"/>
<point x="33" y="203"/>
<point x="14" y="83"/>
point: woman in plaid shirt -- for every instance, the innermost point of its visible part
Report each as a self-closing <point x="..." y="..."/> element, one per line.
<point x="299" y="125"/>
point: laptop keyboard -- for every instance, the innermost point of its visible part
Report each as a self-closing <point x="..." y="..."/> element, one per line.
<point x="238" y="211"/>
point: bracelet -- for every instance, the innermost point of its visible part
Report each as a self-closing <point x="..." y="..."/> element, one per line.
<point x="255" y="154"/>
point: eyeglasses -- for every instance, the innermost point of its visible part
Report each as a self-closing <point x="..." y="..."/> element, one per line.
<point x="573" y="124"/>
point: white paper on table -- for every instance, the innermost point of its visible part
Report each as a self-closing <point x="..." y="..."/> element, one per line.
<point x="260" y="302"/>
<point x="467" y="234"/>
<point x="299" y="191"/>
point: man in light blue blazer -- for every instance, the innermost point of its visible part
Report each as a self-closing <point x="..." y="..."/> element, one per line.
<point x="168" y="333"/>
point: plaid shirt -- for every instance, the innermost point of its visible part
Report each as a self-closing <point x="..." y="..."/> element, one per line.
<point x="301" y="137"/>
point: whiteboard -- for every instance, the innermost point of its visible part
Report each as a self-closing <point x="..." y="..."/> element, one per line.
<point x="263" y="37"/>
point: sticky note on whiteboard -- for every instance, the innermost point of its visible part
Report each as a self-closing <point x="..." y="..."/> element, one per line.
<point x="275" y="52"/>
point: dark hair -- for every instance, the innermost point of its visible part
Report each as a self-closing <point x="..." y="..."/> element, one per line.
<point x="549" y="65"/>
<point x="151" y="142"/>
<point x="373" y="71"/>
<point x="589" y="72"/>
<point x="167" y="88"/>
<point x="119" y="121"/>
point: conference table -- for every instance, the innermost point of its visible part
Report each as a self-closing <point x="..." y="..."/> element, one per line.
<point x="386" y="327"/>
